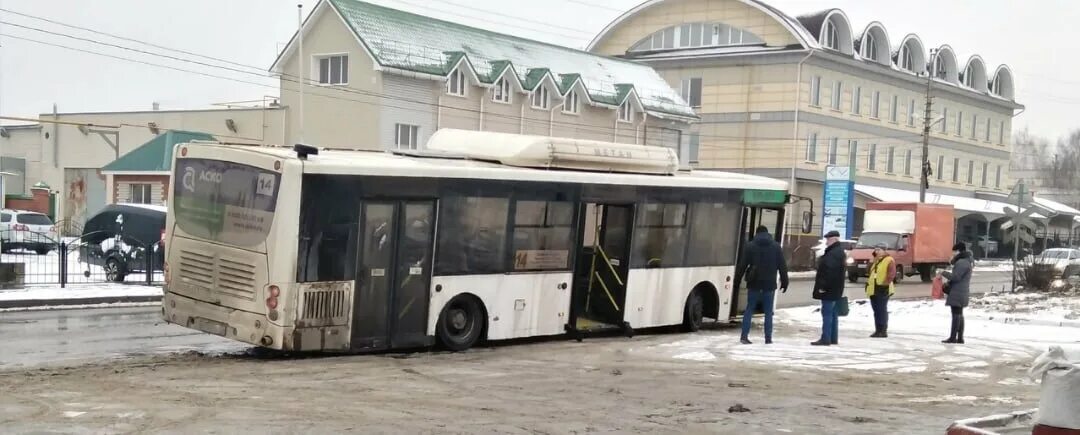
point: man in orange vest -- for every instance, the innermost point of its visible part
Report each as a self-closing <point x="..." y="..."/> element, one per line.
<point x="879" y="287"/>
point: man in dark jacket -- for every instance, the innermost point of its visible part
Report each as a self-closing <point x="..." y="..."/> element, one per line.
<point x="761" y="262"/>
<point x="829" y="288"/>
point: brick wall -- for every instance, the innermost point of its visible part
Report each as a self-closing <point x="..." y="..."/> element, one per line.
<point x="38" y="201"/>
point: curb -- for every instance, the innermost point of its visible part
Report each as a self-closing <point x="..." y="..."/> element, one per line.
<point x="47" y="303"/>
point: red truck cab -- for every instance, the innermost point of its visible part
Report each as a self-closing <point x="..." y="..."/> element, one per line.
<point x="918" y="236"/>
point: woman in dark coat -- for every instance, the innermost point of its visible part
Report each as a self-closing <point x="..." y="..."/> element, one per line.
<point x="958" y="288"/>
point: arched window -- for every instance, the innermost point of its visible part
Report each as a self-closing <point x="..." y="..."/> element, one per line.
<point x="832" y="36"/>
<point x="694" y="35"/>
<point x="906" y="60"/>
<point x="870" y="47"/>
<point x="912" y="55"/>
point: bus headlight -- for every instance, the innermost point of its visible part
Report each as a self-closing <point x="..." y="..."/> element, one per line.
<point x="850" y="261"/>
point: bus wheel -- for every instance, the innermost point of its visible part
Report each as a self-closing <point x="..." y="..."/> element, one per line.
<point x="460" y="323"/>
<point x="694" y="312"/>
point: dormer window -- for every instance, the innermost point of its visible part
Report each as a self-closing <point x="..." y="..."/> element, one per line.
<point x="570" y="106"/>
<point x="870" y="44"/>
<point x="832" y="36"/>
<point x="540" y="98"/>
<point x="501" y="92"/>
<point x="626" y="112"/>
<point x="455" y="85"/>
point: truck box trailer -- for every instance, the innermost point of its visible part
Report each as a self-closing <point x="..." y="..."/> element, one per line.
<point x="918" y="236"/>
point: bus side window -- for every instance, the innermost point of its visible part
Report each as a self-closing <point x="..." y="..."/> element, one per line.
<point x="660" y="235"/>
<point x="328" y="235"/>
<point x="472" y="235"/>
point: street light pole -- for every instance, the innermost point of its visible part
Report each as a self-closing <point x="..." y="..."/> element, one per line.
<point x="925" y="181"/>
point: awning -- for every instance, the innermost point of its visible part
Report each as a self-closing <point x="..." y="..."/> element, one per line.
<point x="989" y="208"/>
<point x="1057" y="207"/>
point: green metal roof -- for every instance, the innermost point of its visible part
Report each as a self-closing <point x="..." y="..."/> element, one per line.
<point x="417" y="43"/>
<point x="155" y="155"/>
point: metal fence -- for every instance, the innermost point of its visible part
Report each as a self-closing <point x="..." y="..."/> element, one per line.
<point x="99" y="258"/>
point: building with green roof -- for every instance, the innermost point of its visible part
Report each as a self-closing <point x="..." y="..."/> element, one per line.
<point x="142" y="175"/>
<point x="380" y="78"/>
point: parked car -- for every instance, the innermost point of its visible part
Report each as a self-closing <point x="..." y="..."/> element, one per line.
<point x="27" y="230"/>
<point x="1064" y="261"/>
<point x="119" y="238"/>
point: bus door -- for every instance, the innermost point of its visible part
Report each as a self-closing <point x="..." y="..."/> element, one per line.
<point x="752" y="217"/>
<point x="603" y="267"/>
<point x="390" y="307"/>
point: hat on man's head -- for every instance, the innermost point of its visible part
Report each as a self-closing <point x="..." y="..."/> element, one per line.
<point x="832" y="233"/>
<point x="959" y="247"/>
<point x="762" y="229"/>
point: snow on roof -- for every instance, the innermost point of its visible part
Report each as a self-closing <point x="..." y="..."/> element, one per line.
<point x="971" y="205"/>
<point x="1057" y="206"/>
<point x="417" y="43"/>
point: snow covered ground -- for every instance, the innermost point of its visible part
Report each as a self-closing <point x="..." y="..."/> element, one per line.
<point x="1000" y="344"/>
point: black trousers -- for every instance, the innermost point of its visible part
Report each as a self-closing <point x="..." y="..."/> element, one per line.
<point x="957" y="331"/>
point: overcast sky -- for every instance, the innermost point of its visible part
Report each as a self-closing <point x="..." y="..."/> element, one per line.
<point x="1022" y="34"/>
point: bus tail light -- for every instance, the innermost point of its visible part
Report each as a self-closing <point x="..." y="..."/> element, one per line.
<point x="272" y="297"/>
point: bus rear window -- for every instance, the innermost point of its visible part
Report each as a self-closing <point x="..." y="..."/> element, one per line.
<point x="225" y="202"/>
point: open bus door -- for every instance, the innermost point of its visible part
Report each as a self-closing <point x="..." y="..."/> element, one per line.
<point x="602" y="269"/>
<point x="759" y="208"/>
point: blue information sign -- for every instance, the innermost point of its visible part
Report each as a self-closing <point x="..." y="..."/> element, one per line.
<point x="838" y="205"/>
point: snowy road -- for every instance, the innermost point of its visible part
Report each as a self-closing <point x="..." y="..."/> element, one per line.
<point x="36" y="338"/>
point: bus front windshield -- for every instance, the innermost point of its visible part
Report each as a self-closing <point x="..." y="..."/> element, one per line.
<point x="872" y="240"/>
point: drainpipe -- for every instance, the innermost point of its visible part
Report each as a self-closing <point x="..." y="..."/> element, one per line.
<point x="521" y="118"/>
<point x="795" y="137"/>
<point x="616" y="130"/>
<point x="438" y="113"/>
<point x="637" y="131"/>
<point x="482" y="98"/>
<point x="551" y="119"/>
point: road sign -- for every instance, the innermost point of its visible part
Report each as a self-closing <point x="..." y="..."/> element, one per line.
<point x="838" y="206"/>
<point x="1013" y="233"/>
<point x="1020" y="194"/>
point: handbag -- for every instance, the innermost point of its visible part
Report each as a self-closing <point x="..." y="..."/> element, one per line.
<point x="842" y="308"/>
<point x="937" y="288"/>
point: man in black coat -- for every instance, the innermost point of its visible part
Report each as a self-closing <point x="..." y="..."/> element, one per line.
<point x="829" y="288"/>
<point x="762" y="261"/>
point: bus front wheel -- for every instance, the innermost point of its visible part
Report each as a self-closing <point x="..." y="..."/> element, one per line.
<point x="461" y="323"/>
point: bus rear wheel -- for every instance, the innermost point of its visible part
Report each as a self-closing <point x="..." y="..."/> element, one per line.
<point x="694" y="312"/>
<point x="461" y="323"/>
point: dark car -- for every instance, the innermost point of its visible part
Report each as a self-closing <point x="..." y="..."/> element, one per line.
<point x="121" y="236"/>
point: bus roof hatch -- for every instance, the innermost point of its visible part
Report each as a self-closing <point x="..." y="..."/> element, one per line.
<point x="555" y="152"/>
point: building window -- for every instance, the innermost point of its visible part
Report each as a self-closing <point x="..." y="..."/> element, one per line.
<point x="832" y="35"/>
<point x="571" y="104"/>
<point x="834" y="144"/>
<point x="944" y="120"/>
<point x="889" y="160"/>
<point x="939" y="67"/>
<point x="988" y="122"/>
<point x="997" y="178"/>
<point x="985" y="173"/>
<point x="971" y="172"/>
<point x="691" y="91"/>
<point x="1001" y="133"/>
<point x="856" y="101"/>
<point x="406" y="136"/>
<point x="907" y="162"/>
<point x="694" y="148"/>
<point x="540" y="98"/>
<point x="837" y="92"/>
<point x="626" y="112"/>
<point x="941" y="168"/>
<point x="811" y="148"/>
<point x="455" y="85"/>
<point x="907" y="62"/>
<point x="334" y="70"/>
<point x="502" y="93"/>
<point x="696" y="35"/>
<point x="894" y="108"/>
<point x="875" y="105"/>
<point x="853" y="152"/>
<point x="956" y="169"/>
<point x="871" y="157"/>
<point x="974" y="125"/>
<point x="911" y="113"/>
<point x="140" y="194"/>
<point x="960" y="123"/>
<point x="815" y="91"/>
<point x="870" y="52"/>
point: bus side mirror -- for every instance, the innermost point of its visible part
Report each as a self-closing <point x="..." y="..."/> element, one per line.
<point x="807" y="221"/>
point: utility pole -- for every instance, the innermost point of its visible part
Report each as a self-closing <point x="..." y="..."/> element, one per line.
<point x="925" y="181"/>
<point x="1021" y="192"/>
<point x="300" y="63"/>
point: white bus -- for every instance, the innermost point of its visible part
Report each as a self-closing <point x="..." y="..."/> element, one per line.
<point x="484" y="236"/>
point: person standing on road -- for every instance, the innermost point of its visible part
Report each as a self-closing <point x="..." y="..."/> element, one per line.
<point x="761" y="262"/>
<point x="879" y="288"/>
<point x="829" y="288"/>
<point x="958" y="290"/>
